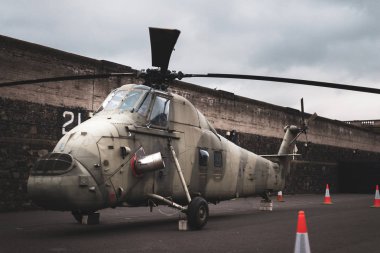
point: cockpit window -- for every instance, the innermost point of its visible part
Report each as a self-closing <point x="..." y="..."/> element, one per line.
<point x="160" y="112"/>
<point x="113" y="100"/>
<point x="124" y="100"/>
<point x="130" y="100"/>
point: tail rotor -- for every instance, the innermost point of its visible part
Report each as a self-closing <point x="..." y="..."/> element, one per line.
<point x="304" y="123"/>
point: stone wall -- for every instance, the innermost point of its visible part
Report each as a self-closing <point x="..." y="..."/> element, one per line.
<point x="228" y="111"/>
<point x="21" y="60"/>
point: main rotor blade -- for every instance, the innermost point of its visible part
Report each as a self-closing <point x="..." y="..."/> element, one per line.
<point x="64" y="78"/>
<point x="289" y="80"/>
<point x="162" y="42"/>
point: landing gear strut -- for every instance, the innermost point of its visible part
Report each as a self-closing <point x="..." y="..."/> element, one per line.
<point x="77" y="216"/>
<point x="89" y="218"/>
<point x="197" y="211"/>
<point x="266" y="203"/>
<point x="265" y="196"/>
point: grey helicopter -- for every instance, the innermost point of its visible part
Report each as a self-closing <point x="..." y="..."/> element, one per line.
<point x="147" y="146"/>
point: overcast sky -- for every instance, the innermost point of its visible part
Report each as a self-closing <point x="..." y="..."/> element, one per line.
<point x="332" y="41"/>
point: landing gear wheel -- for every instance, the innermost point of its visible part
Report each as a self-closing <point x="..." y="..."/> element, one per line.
<point x="77" y="216"/>
<point x="197" y="213"/>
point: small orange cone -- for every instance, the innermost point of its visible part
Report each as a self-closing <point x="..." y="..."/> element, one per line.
<point x="280" y="197"/>
<point x="327" y="200"/>
<point x="302" y="238"/>
<point x="376" y="202"/>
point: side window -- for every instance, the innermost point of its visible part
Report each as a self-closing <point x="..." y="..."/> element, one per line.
<point x="203" y="157"/>
<point x="218" y="159"/>
<point x="160" y="112"/>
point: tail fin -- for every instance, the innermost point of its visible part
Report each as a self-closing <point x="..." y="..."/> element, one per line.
<point x="284" y="155"/>
<point x="288" y="143"/>
<point x="287" y="147"/>
<point x="293" y="132"/>
<point x="291" y="135"/>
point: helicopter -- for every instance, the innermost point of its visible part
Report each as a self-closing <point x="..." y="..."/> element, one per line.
<point x="147" y="146"/>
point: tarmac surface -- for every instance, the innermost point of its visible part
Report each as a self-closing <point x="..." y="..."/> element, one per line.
<point x="349" y="225"/>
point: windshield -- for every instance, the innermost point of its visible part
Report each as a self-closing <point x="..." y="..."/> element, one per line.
<point x="130" y="100"/>
<point x="124" y="100"/>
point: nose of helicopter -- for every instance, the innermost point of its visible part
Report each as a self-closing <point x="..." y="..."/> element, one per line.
<point x="58" y="182"/>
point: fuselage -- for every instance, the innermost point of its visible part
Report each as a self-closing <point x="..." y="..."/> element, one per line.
<point x="93" y="166"/>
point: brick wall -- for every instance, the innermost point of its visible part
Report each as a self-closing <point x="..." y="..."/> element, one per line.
<point x="227" y="111"/>
<point x="27" y="131"/>
<point x="22" y="60"/>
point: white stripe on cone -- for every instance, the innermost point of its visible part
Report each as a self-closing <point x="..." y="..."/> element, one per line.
<point x="302" y="243"/>
<point x="327" y="193"/>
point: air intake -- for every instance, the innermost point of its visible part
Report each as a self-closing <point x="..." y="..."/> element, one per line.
<point x="53" y="164"/>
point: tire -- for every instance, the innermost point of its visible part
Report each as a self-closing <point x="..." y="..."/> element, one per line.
<point x="197" y="213"/>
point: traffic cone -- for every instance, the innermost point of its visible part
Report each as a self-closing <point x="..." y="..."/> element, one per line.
<point x="302" y="238"/>
<point x="327" y="200"/>
<point x="279" y="197"/>
<point x="376" y="202"/>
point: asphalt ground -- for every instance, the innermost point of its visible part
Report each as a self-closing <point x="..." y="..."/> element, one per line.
<point x="349" y="225"/>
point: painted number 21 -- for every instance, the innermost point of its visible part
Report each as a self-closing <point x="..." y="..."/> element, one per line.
<point x="70" y="121"/>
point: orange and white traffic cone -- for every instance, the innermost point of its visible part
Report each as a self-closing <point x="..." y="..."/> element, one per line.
<point x="376" y="202"/>
<point x="302" y="238"/>
<point x="280" y="197"/>
<point x="327" y="200"/>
